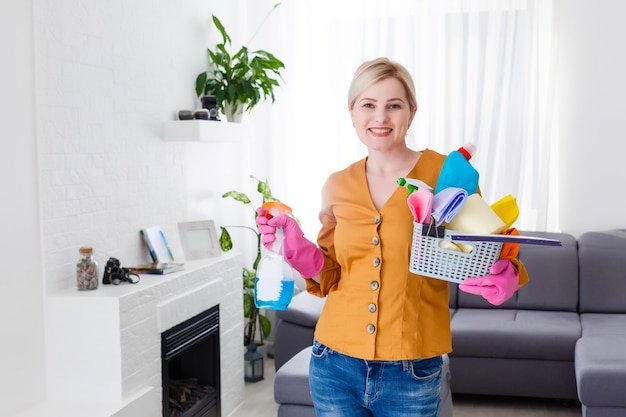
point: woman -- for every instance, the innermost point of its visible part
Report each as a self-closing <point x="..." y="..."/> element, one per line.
<point x="380" y="338"/>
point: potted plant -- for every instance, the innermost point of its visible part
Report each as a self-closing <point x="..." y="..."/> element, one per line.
<point x="250" y="311"/>
<point x="239" y="80"/>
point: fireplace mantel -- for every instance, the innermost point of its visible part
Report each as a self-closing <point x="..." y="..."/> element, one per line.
<point x="103" y="347"/>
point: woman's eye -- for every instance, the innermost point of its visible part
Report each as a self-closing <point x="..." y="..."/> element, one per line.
<point x="368" y="105"/>
<point x="395" y="106"/>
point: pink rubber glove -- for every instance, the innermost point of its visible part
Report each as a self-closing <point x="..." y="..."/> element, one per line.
<point x="300" y="253"/>
<point x="497" y="287"/>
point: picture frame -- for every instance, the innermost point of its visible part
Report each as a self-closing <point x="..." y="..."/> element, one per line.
<point x="199" y="239"/>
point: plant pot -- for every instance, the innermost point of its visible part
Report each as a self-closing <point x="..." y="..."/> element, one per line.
<point x="233" y="112"/>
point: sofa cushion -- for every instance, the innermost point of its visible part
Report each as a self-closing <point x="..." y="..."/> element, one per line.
<point x="553" y="272"/>
<point x="304" y="309"/>
<point x="519" y="334"/>
<point x="601" y="370"/>
<point x="291" y="383"/>
<point x="603" y="324"/>
<point x="602" y="272"/>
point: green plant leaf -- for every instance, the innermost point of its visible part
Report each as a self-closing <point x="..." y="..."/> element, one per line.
<point x="221" y="28"/>
<point x="200" y="83"/>
<point x="242" y="77"/>
<point x="248" y="304"/>
<point x="264" y="189"/>
<point x="266" y="325"/>
<point x="249" y="276"/>
<point x="226" y="243"/>
<point x="251" y="312"/>
<point x="237" y="196"/>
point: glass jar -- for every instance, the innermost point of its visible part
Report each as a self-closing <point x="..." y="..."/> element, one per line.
<point x="86" y="270"/>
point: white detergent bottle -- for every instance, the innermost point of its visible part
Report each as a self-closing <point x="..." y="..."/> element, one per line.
<point x="274" y="284"/>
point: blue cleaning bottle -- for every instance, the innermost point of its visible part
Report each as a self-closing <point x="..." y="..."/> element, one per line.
<point x="458" y="172"/>
<point x="274" y="284"/>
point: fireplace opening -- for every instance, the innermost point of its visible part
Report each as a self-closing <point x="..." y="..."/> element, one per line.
<point x="190" y="353"/>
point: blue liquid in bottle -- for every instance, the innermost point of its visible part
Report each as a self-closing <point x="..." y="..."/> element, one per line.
<point x="284" y="296"/>
<point x="273" y="286"/>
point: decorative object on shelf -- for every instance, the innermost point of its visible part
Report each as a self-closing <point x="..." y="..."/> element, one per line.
<point x="210" y="103"/>
<point x="86" y="270"/>
<point x="162" y="258"/>
<point x="253" y="364"/>
<point x="199" y="239"/>
<point x="250" y="311"/>
<point x="156" y="243"/>
<point x="115" y="273"/>
<point x="201" y="114"/>
<point x="157" y="268"/>
<point x="185" y="114"/>
<point x="239" y="80"/>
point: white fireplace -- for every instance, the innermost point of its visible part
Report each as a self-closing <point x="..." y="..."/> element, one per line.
<point x="103" y="347"/>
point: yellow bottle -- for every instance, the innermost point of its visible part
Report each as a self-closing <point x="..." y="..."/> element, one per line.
<point x="506" y="208"/>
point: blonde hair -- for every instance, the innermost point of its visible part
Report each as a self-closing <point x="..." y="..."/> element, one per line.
<point x="370" y="72"/>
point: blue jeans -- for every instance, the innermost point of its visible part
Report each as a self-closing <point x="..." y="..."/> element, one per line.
<point x="342" y="386"/>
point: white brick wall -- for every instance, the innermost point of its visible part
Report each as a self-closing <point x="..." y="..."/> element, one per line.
<point x="109" y="74"/>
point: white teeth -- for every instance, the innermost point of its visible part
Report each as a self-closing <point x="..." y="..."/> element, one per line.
<point x="380" y="131"/>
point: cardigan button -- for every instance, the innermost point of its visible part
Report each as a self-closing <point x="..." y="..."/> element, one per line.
<point x="375" y="241"/>
<point x="371" y="328"/>
<point x="372" y="308"/>
<point x="377" y="219"/>
<point x="376" y="261"/>
<point x="374" y="285"/>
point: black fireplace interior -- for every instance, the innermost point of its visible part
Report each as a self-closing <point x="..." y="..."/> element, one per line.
<point x="190" y="353"/>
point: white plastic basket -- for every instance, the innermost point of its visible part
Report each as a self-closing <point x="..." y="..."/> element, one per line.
<point x="429" y="258"/>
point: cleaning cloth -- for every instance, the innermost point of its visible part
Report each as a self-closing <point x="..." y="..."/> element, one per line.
<point x="447" y="203"/>
<point x="420" y="203"/>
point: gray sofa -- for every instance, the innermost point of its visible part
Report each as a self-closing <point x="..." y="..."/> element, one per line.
<point x="562" y="336"/>
<point x="600" y="354"/>
<point x="524" y="347"/>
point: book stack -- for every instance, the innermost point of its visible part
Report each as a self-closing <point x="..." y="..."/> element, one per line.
<point x="162" y="258"/>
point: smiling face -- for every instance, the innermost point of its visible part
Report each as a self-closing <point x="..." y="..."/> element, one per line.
<point x="382" y="115"/>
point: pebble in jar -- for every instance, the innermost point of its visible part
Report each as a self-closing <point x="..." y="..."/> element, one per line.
<point x="86" y="270"/>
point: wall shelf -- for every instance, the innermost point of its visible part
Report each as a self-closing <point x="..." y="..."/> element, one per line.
<point x="203" y="131"/>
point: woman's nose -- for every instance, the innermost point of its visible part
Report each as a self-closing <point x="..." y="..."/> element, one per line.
<point x="381" y="115"/>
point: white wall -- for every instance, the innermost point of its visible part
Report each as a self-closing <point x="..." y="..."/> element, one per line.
<point x="86" y="86"/>
<point x="108" y="75"/>
<point x="21" y="286"/>
<point x="592" y="105"/>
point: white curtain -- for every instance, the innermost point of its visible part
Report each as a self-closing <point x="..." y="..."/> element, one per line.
<point x="483" y="74"/>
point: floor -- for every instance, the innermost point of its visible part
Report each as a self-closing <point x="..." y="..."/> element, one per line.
<point x="259" y="402"/>
<point x="259" y="397"/>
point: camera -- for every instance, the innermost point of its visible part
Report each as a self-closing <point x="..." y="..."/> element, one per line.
<point x="114" y="273"/>
<point x="210" y="103"/>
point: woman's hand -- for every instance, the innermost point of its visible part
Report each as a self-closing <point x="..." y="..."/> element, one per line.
<point x="497" y="287"/>
<point x="300" y="253"/>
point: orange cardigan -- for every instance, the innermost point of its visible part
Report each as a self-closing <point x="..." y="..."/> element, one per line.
<point x="376" y="309"/>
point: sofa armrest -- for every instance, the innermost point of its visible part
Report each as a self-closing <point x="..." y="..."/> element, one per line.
<point x="295" y="327"/>
<point x="304" y="309"/>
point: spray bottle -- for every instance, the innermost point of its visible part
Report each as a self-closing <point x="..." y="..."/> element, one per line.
<point x="458" y="172"/>
<point x="274" y="285"/>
